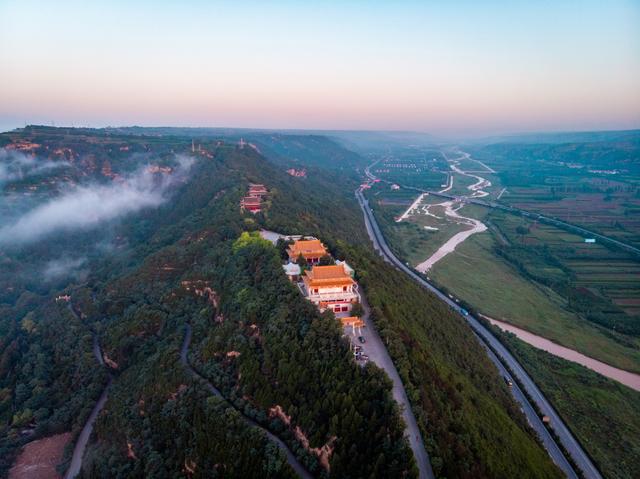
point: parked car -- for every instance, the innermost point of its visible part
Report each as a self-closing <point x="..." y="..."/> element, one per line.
<point x="364" y="357"/>
<point x="361" y="339"/>
<point x="357" y="348"/>
<point x="508" y="381"/>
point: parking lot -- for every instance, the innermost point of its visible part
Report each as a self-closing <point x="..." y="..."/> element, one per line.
<point x="372" y="347"/>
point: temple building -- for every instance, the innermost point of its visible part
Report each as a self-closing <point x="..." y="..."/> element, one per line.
<point x="331" y="287"/>
<point x="353" y="321"/>
<point x="311" y="250"/>
<point x="251" y="203"/>
<point x="257" y="190"/>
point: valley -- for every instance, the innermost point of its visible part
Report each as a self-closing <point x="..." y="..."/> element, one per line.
<point x="138" y="294"/>
<point x="519" y="291"/>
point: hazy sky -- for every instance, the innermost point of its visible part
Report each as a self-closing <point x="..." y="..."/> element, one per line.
<point x="439" y="66"/>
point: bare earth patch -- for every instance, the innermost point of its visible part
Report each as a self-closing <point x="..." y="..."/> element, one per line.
<point x="38" y="459"/>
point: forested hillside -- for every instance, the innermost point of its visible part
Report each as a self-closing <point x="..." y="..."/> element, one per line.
<point x="189" y="260"/>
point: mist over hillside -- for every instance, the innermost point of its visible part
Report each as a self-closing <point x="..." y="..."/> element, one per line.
<point x="131" y="243"/>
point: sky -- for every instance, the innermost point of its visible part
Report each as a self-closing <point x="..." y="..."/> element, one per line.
<point x="444" y="67"/>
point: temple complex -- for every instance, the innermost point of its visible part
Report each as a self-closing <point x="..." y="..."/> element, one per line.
<point x="331" y="287"/>
<point x="311" y="250"/>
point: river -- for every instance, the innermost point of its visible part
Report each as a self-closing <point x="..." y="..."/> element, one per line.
<point x="476" y="226"/>
<point x="627" y="378"/>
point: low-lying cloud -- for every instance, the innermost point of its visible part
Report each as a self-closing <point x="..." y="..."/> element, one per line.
<point x="65" y="267"/>
<point x="15" y="165"/>
<point x="86" y="207"/>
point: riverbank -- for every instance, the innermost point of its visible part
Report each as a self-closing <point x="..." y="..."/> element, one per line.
<point x="627" y="378"/>
<point x="451" y="244"/>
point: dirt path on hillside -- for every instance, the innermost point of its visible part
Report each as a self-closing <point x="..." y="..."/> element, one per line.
<point x="83" y="439"/>
<point x="293" y="461"/>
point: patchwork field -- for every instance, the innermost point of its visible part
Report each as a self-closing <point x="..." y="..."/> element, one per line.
<point x="604" y="273"/>
<point x="594" y="184"/>
<point x="421" y="168"/>
<point x="518" y="271"/>
<point x="616" y="215"/>
<point x="476" y="275"/>
<point x="584" y="296"/>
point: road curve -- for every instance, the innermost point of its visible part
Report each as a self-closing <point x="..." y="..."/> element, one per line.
<point x="300" y="470"/>
<point x="503" y="359"/>
<point x="81" y="443"/>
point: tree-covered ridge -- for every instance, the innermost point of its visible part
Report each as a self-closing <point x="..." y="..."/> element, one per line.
<point x="471" y="425"/>
<point x="273" y="353"/>
<point x="313" y="379"/>
<point x="48" y="378"/>
<point x="309" y="150"/>
<point x="141" y="304"/>
<point x="138" y="304"/>
<point x="159" y="422"/>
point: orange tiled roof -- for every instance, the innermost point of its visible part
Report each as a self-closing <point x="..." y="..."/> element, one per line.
<point x="352" y="321"/>
<point x="307" y="248"/>
<point x="328" y="275"/>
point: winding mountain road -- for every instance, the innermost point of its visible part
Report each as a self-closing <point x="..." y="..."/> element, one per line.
<point x="504" y="361"/>
<point x="83" y="439"/>
<point x="291" y="457"/>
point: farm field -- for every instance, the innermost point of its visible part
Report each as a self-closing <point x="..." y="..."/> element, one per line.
<point x="495" y="286"/>
<point x="581" y="295"/>
<point x="420" y="168"/>
<point x="593" y="184"/>
<point x="419" y="235"/>
<point x="461" y="184"/>
<point x="409" y="237"/>
<point x="607" y="277"/>
<point x="477" y="276"/>
<point x="617" y="217"/>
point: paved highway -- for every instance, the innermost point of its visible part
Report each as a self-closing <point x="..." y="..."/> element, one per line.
<point x="503" y="360"/>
